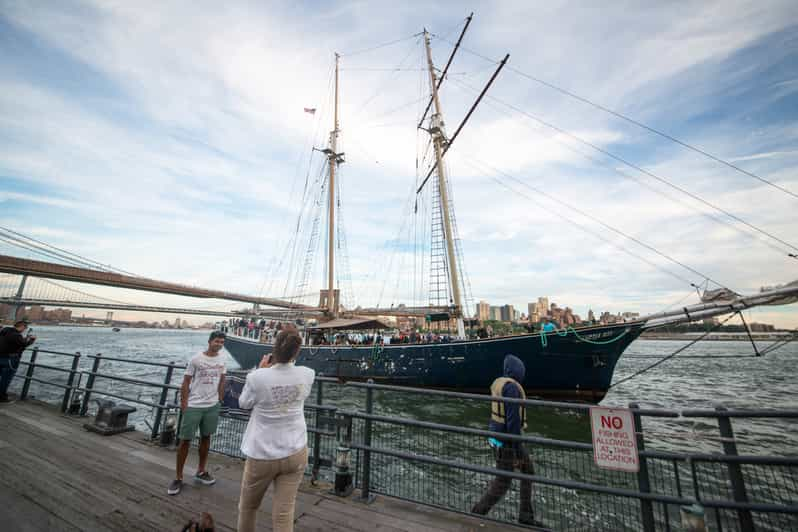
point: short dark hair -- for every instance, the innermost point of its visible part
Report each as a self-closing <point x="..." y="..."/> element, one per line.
<point x="216" y="334"/>
<point x="286" y="344"/>
<point x="21" y="322"/>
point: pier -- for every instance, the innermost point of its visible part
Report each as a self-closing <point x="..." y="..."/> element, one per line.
<point x="58" y="476"/>
<point x="408" y="472"/>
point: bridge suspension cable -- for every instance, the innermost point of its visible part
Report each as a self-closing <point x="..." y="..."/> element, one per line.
<point x="20" y="240"/>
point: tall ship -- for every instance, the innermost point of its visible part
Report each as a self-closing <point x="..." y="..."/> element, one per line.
<point x="575" y="363"/>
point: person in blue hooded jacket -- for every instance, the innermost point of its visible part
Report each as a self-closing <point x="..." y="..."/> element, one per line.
<point x="509" y="418"/>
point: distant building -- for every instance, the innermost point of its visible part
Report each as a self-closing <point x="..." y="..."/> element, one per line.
<point x="35" y="313"/>
<point x="507" y="313"/>
<point x="607" y="318"/>
<point x="590" y="316"/>
<point x="483" y="311"/>
<point x="543" y="306"/>
<point x="495" y="313"/>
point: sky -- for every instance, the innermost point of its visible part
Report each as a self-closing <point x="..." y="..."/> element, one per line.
<point x="170" y="140"/>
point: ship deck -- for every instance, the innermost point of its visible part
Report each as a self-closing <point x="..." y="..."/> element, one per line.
<point x="58" y="476"/>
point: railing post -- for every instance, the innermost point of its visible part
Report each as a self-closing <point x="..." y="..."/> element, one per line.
<point x="643" y="484"/>
<point x="156" y="425"/>
<point x="95" y="367"/>
<point x="735" y="473"/>
<point x="29" y="374"/>
<point x="70" y="382"/>
<point x="317" y="436"/>
<point x="342" y="465"/>
<point x="365" y="483"/>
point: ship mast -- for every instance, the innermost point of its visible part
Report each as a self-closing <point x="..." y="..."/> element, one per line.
<point x="438" y="136"/>
<point x="334" y="158"/>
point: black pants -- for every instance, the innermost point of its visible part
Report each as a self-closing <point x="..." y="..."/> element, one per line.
<point x="509" y="459"/>
<point x="8" y="367"/>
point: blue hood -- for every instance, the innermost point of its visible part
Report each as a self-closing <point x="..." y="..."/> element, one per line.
<point x="514" y="368"/>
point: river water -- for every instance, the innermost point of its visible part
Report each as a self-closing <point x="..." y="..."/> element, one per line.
<point x="706" y="374"/>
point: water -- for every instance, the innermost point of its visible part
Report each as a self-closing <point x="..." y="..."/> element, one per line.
<point x="683" y="382"/>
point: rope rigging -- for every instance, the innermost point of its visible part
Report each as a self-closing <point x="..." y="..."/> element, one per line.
<point x="480" y="166"/>
<point x="641" y="170"/>
<point x="668" y="357"/>
<point x="615" y="170"/>
<point x="377" y="47"/>
<point x="637" y="123"/>
<point x="289" y="250"/>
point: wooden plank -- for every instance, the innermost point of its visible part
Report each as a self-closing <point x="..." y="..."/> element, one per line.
<point x="370" y="517"/>
<point x="220" y="499"/>
<point x="58" y="476"/>
<point x="21" y="514"/>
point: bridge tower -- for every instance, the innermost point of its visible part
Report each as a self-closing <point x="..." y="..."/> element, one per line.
<point x="14" y="309"/>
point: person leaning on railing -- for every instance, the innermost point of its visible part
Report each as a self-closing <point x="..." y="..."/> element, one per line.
<point x="276" y="440"/>
<point x="12" y="344"/>
<point x="509" y="418"/>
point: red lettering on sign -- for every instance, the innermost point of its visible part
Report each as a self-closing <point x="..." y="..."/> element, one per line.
<point x="613" y="422"/>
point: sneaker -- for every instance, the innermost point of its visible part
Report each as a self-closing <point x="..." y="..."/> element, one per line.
<point x="175" y="487"/>
<point x="205" y="478"/>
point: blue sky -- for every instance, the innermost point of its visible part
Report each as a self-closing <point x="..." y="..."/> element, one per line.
<point x="170" y="140"/>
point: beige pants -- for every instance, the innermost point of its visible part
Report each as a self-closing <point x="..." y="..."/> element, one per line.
<point x="286" y="473"/>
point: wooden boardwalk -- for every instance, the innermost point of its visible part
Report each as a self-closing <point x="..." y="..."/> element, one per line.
<point x="57" y="476"/>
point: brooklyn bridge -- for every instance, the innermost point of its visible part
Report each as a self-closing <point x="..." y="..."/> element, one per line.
<point x="33" y="282"/>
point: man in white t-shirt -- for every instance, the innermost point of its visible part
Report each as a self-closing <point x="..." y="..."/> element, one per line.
<point x="200" y="397"/>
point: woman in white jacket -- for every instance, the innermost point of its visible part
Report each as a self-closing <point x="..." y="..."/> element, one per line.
<point x="276" y="440"/>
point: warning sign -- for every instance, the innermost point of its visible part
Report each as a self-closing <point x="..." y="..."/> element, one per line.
<point x="614" y="442"/>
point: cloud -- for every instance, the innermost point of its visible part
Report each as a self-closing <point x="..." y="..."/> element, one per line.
<point x="172" y="142"/>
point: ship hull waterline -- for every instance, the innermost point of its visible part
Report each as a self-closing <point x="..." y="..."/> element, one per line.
<point x="558" y="366"/>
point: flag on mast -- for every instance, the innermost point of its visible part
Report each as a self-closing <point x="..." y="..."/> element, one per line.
<point x="311" y="110"/>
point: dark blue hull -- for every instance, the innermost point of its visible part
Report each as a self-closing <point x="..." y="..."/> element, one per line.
<point x="572" y="366"/>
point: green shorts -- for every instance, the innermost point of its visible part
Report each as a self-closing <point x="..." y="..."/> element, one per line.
<point x="206" y="419"/>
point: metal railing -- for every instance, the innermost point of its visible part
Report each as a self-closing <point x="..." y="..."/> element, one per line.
<point x="564" y="468"/>
<point x="448" y="465"/>
<point x="77" y="397"/>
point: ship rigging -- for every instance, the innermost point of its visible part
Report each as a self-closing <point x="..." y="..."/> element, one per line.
<point x="573" y="362"/>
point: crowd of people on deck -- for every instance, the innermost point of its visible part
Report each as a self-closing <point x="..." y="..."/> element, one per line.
<point x="261" y="330"/>
<point x="265" y="331"/>
<point x="358" y="339"/>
